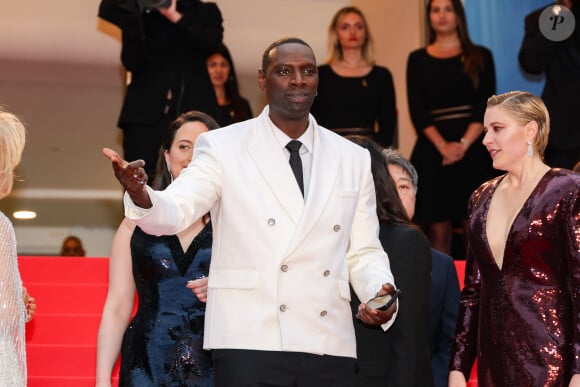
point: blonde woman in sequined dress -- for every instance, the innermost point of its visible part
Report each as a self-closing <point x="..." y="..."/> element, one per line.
<point x="13" y="313"/>
<point x="519" y="309"/>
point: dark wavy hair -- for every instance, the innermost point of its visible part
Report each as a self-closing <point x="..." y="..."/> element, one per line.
<point x="472" y="56"/>
<point x="389" y="206"/>
<point x="162" y="175"/>
<point x="231" y="86"/>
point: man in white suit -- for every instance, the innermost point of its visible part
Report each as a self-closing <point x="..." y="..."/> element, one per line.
<point x="285" y="246"/>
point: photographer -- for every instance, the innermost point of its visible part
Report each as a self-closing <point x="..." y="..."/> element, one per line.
<point x="560" y="62"/>
<point x="164" y="47"/>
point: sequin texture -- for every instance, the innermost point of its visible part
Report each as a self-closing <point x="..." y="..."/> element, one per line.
<point x="163" y="345"/>
<point x="522" y="322"/>
<point x="12" y="311"/>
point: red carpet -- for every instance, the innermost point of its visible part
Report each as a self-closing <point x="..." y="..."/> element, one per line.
<point x="70" y="294"/>
<point x="61" y="339"/>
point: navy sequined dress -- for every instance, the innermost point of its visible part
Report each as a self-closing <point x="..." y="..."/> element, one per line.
<point x="522" y="321"/>
<point x="163" y="344"/>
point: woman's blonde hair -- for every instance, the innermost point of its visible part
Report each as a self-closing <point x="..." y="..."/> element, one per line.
<point x="12" y="140"/>
<point x="525" y="107"/>
<point x="334" y="49"/>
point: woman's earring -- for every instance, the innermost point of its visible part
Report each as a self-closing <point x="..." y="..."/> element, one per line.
<point x="170" y="174"/>
<point x="530" y="148"/>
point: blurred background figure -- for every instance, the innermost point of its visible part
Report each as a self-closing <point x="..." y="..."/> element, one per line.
<point x="164" y="47"/>
<point x="162" y="344"/>
<point x="518" y="314"/>
<point x="444" y="281"/>
<point x="560" y="62"/>
<point x="232" y="107"/>
<point x="448" y="83"/>
<point x="13" y="311"/>
<point x="355" y="96"/>
<point x="398" y="357"/>
<point x="72" y="247"/>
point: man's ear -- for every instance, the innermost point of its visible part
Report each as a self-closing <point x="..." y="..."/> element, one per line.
<point x="261" y="79"/>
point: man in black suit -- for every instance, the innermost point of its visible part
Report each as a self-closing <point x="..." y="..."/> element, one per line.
<point x="165" y="51"/>
<point x="444" y="283"/>
<point x="560" y="61"/>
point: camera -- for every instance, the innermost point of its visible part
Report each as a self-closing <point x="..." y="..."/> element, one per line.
<point x="150" y="4"/>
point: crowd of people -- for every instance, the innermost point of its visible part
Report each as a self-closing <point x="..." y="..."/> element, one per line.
<point x="266" y="252"/>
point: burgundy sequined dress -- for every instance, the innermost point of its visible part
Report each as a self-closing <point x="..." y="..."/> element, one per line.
<point x="522" y="322"/>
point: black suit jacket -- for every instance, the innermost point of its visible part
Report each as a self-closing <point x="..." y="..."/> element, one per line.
<point x="443" y="314"/>
<point x="167" y="61"/>
<point x="561" y="63"/>
<point x="399" y="356"/>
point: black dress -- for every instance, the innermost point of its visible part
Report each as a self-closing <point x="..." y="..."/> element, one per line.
<point x="352" y="105"/>
<point x="440" y="93"/>
<point x="226" y="115"/>
<point x="163" y="344"/>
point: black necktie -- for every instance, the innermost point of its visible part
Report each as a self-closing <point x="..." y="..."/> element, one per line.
<point x="296" y="163"/>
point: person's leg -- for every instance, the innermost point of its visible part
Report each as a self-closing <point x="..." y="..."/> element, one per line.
<point x="245" y="368"/>
<point x="441" y="236"/>
<point x="143" y="142"/>
<point x="322" y="370"/>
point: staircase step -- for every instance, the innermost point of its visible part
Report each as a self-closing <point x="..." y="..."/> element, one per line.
<point x="63" y="328"/>
<point x="46" y="381"/>
<point x="68" y="297"/>
<point x="64" y="269"/>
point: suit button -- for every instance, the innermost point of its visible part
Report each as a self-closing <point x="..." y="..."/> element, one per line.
<point x="326" y="273"/>
<point x="271" y="222"/>
<point x="284" y="268"/>
<point x="323" y="313"/>
<point x="336" y="228"/>
<point x="282" y="308"/>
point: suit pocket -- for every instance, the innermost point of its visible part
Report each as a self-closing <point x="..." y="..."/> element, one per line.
<point x="344" y="289"/>
<point x="347" y="194"/>
<point x="233" y="279"/>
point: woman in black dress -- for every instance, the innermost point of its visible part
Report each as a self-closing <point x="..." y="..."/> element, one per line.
<point x="232" y="107"/>
<point x="355" y="96"/>
<point x="448" y="83"/>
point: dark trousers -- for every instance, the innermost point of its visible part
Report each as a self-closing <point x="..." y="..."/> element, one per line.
<point x="245" y="368"/>
<point x="142" y="141"/>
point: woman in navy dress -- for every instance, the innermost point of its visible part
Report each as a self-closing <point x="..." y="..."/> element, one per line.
<point x="162" y="345"/>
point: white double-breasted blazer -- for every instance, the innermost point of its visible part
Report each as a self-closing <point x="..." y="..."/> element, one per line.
<point x="281" y="265"/>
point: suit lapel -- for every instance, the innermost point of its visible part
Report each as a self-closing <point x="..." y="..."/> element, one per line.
<point x="270" y="160"/>
<point x="325" y="167"/>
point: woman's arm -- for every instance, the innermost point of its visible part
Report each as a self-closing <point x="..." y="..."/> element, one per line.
<point x="118" y="305"/>
<point x="464" y="344"/>
<point x="573" y="242"/>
